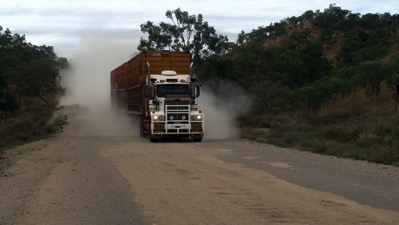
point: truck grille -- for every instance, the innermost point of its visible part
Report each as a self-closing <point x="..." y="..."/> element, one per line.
<point x="177" y="114"/>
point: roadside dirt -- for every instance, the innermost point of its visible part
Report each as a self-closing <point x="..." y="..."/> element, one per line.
<point x="62" y="180"/>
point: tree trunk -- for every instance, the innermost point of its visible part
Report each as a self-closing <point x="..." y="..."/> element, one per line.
<point x="5" y="119"/>
<point x="44" y="100"/>
<point x="19" y="100"/>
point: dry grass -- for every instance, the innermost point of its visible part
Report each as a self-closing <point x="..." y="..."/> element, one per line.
<point x="354" y="126"/>
<point x="358" y="103"/>
<point x="31" y="122"/>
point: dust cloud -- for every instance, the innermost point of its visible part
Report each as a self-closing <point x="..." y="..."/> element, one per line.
<point x="87" y="85"/>
<point x="222" y="104"/>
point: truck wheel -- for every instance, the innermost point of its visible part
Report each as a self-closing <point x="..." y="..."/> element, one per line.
<point x="142" y="134"/>
<point x="197" y="139"/>
<point x="152" y="139"/>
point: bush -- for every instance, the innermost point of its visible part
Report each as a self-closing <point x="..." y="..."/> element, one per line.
<point x="371" y="139"/>
<point x="343" y="132"/>
<point x="388" y="154"/>
<point x="28" y="124"/>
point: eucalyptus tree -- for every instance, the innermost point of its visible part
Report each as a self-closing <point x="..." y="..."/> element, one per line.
<point x="27" y="69"/>
<point x="185" y="33"/>
<point x="393" y="76"/>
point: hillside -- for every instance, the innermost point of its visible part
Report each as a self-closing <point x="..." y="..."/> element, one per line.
<point x="323" y="81"/>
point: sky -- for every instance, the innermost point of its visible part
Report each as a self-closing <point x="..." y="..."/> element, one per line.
<point x="68" y="24"/>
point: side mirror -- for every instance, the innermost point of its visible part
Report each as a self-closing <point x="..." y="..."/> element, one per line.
<point x="146" y="91"/>
<point x="197" y="91"/>
<point x="152" y="88"/>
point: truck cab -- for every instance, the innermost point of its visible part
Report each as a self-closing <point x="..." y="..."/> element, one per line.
<point x="173" y="107"/>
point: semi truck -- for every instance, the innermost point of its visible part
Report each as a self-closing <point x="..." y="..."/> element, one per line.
<point x="159" y="88"/>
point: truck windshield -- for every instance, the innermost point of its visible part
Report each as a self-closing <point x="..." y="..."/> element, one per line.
<point x="172" y="89"/>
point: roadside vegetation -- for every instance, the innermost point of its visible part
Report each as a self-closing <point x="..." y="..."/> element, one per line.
<point x="326" y="82"/>
<point x="352" y="127"/>
<point x="29" y="86"/>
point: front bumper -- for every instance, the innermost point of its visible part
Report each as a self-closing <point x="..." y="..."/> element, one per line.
<point x="160" y="128"/>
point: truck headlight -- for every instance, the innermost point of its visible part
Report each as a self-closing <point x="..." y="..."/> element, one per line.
<point x="196" y="117"/>
<point x="158" y="118"/>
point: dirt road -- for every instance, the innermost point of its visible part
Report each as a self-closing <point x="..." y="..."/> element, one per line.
<point x="77" y="178"/>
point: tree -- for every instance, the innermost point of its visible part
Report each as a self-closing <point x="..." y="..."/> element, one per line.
<point x="28" y="70"/>
<point x="62" y="63"/>
<point x="185" y="33"/>
<point x="8" y="104"/>
<point x="37" y="73"/>
<point x="371" y="74"/>
<point x="393" y="77"/>
<point x="331" y="16"/>
<point x="7" y="101"/>
<point x="43" y="78"/>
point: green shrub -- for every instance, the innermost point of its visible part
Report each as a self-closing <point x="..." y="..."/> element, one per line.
<point x="21" y="126"/>
<point x="320" y="145"/>
<point x="387" y="154"/>
<point x="51" y="129"/>
<point x="374" y="139"/>
<point x="344" y="133"/>
<point x="28" y="124"/>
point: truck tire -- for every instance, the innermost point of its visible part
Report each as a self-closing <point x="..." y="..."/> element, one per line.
<point x="152" y="139"/>
<point x="199" y="139"/>
<point x="142" y="134"/>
